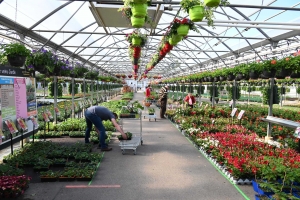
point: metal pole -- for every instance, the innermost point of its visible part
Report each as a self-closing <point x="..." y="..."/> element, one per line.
<point x="200" y="87"/>
<point x="44" y="89"/>
<point x="234" y="94"/>
<point x="55" y="97"/>
<point x="270" y="112"/>
<point x="73" y="108"/>
<point x="213" y="94"/>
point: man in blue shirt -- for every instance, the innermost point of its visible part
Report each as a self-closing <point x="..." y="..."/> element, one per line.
<point x="95" y="115"/>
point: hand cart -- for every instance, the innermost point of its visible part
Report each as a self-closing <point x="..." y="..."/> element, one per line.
<point x="135" y="140"/>
<point x="150" y="116"/>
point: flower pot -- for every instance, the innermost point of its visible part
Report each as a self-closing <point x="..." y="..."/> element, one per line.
<point x="173" y="42"/>
<point x="269" y="74"/>
<point x="222" y="78"/>
<point x="230" y="77"/>
<point x="139" y="10"/>
<point x="284" y="72"/>
<point x="183" y="30"/>
<point x="253" y="75"/>
<point x="136" y="41"/>
<point x="16" y="60"/>
<point x="176" y="38"/>
<point x="209" y="79"/>
<point x="216" y="79"/>
<point x="295" y="75"/>
<point x="139" y="1"/>
<point x="239" y="77"/>
<point x="212" y="3"/>
<point x="196" y="13"/>
<point x="137" y="22"/>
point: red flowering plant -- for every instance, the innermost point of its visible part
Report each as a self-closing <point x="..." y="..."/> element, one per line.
<point x="13" y="186"/>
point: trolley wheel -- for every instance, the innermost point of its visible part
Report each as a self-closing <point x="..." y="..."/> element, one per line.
<point x="155" y="119"/>
<point x="141" y="142"/>
<point x="123" y="151"/>
<point x="134" y="152"/>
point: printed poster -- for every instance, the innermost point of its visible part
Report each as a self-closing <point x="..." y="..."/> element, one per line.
<point x="8" y="108"/>
<point x="20" y="97"/>
<point x="31" y="98"/>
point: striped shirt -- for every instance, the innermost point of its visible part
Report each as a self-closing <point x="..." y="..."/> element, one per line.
<point x="163" y="93"/>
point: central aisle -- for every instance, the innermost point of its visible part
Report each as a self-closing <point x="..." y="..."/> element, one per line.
<point x="166" y="167"/>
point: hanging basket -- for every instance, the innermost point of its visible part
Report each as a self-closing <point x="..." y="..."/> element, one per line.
<point x="137" y="22"/>
<point x="175" y="39"/>
<point x="196" y="13"/>
<point x="136" y="41"/>
<point x="284" y="72"/>
<point x="230" y="77"/>
<point x="16" y="60"/>
<point x="269" y="74"/>
<point x="139" y="10"/>
<point x="295" y="75"/>
<point x="222" y="78"/>
<point x="212" y="3"/>
<point x="139" y="1"/>
<point x="216" y="79"/>
<point x="253" y="75"/>
<point x="183" y="30"/>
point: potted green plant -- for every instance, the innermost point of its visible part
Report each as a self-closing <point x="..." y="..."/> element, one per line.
<point x="136" y="39"/>
<point x="16" y="54"/>
<point x="255" y="70"/>
<point x="269" y="68"/>
<point x="194" y="8"/>
<point x="181" y="27"/>
<point x="136" y="13"/>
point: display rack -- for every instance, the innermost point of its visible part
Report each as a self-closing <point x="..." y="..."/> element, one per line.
<point x="135" y="140"/>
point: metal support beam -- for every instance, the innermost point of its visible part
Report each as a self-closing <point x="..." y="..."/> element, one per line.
<point x="31" y="34"/>
<point x="97" y="33"/>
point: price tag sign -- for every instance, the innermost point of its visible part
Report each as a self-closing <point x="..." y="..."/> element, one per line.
<point x="205" y="106"/>
<point x="49" y="114"/>
<point x="241" y="114"/>
<point x="57" y="111"/>
<point x="230" y="103"/>
<point x="11" y="126"/>
<point x="45" y="116"/>
<point x="34" y="121"/>
<point x="233" y="112"/>
<point x="22" y="124"/>
<point x="201" y="104"/>
<point x="297" y="132"/>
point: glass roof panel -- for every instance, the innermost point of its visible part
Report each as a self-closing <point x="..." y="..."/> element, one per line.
<point x="210" y="43"/>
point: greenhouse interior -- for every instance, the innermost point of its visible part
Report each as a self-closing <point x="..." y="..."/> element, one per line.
<point x="190" y="99"/>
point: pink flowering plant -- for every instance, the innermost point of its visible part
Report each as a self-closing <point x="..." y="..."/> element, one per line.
<point x="13" y="186"/>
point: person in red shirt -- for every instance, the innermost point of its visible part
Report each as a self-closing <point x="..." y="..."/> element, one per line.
<point x="190" y="100"/>
<point x="148" y="91"/>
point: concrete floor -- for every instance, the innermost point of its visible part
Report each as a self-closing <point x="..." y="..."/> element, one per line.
<point x="167" y="166"/>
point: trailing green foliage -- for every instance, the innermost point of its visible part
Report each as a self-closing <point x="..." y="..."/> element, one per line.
<point x="51" y="89"/>
<point x="266" y="91"/>
<point x="75" y="88"/>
